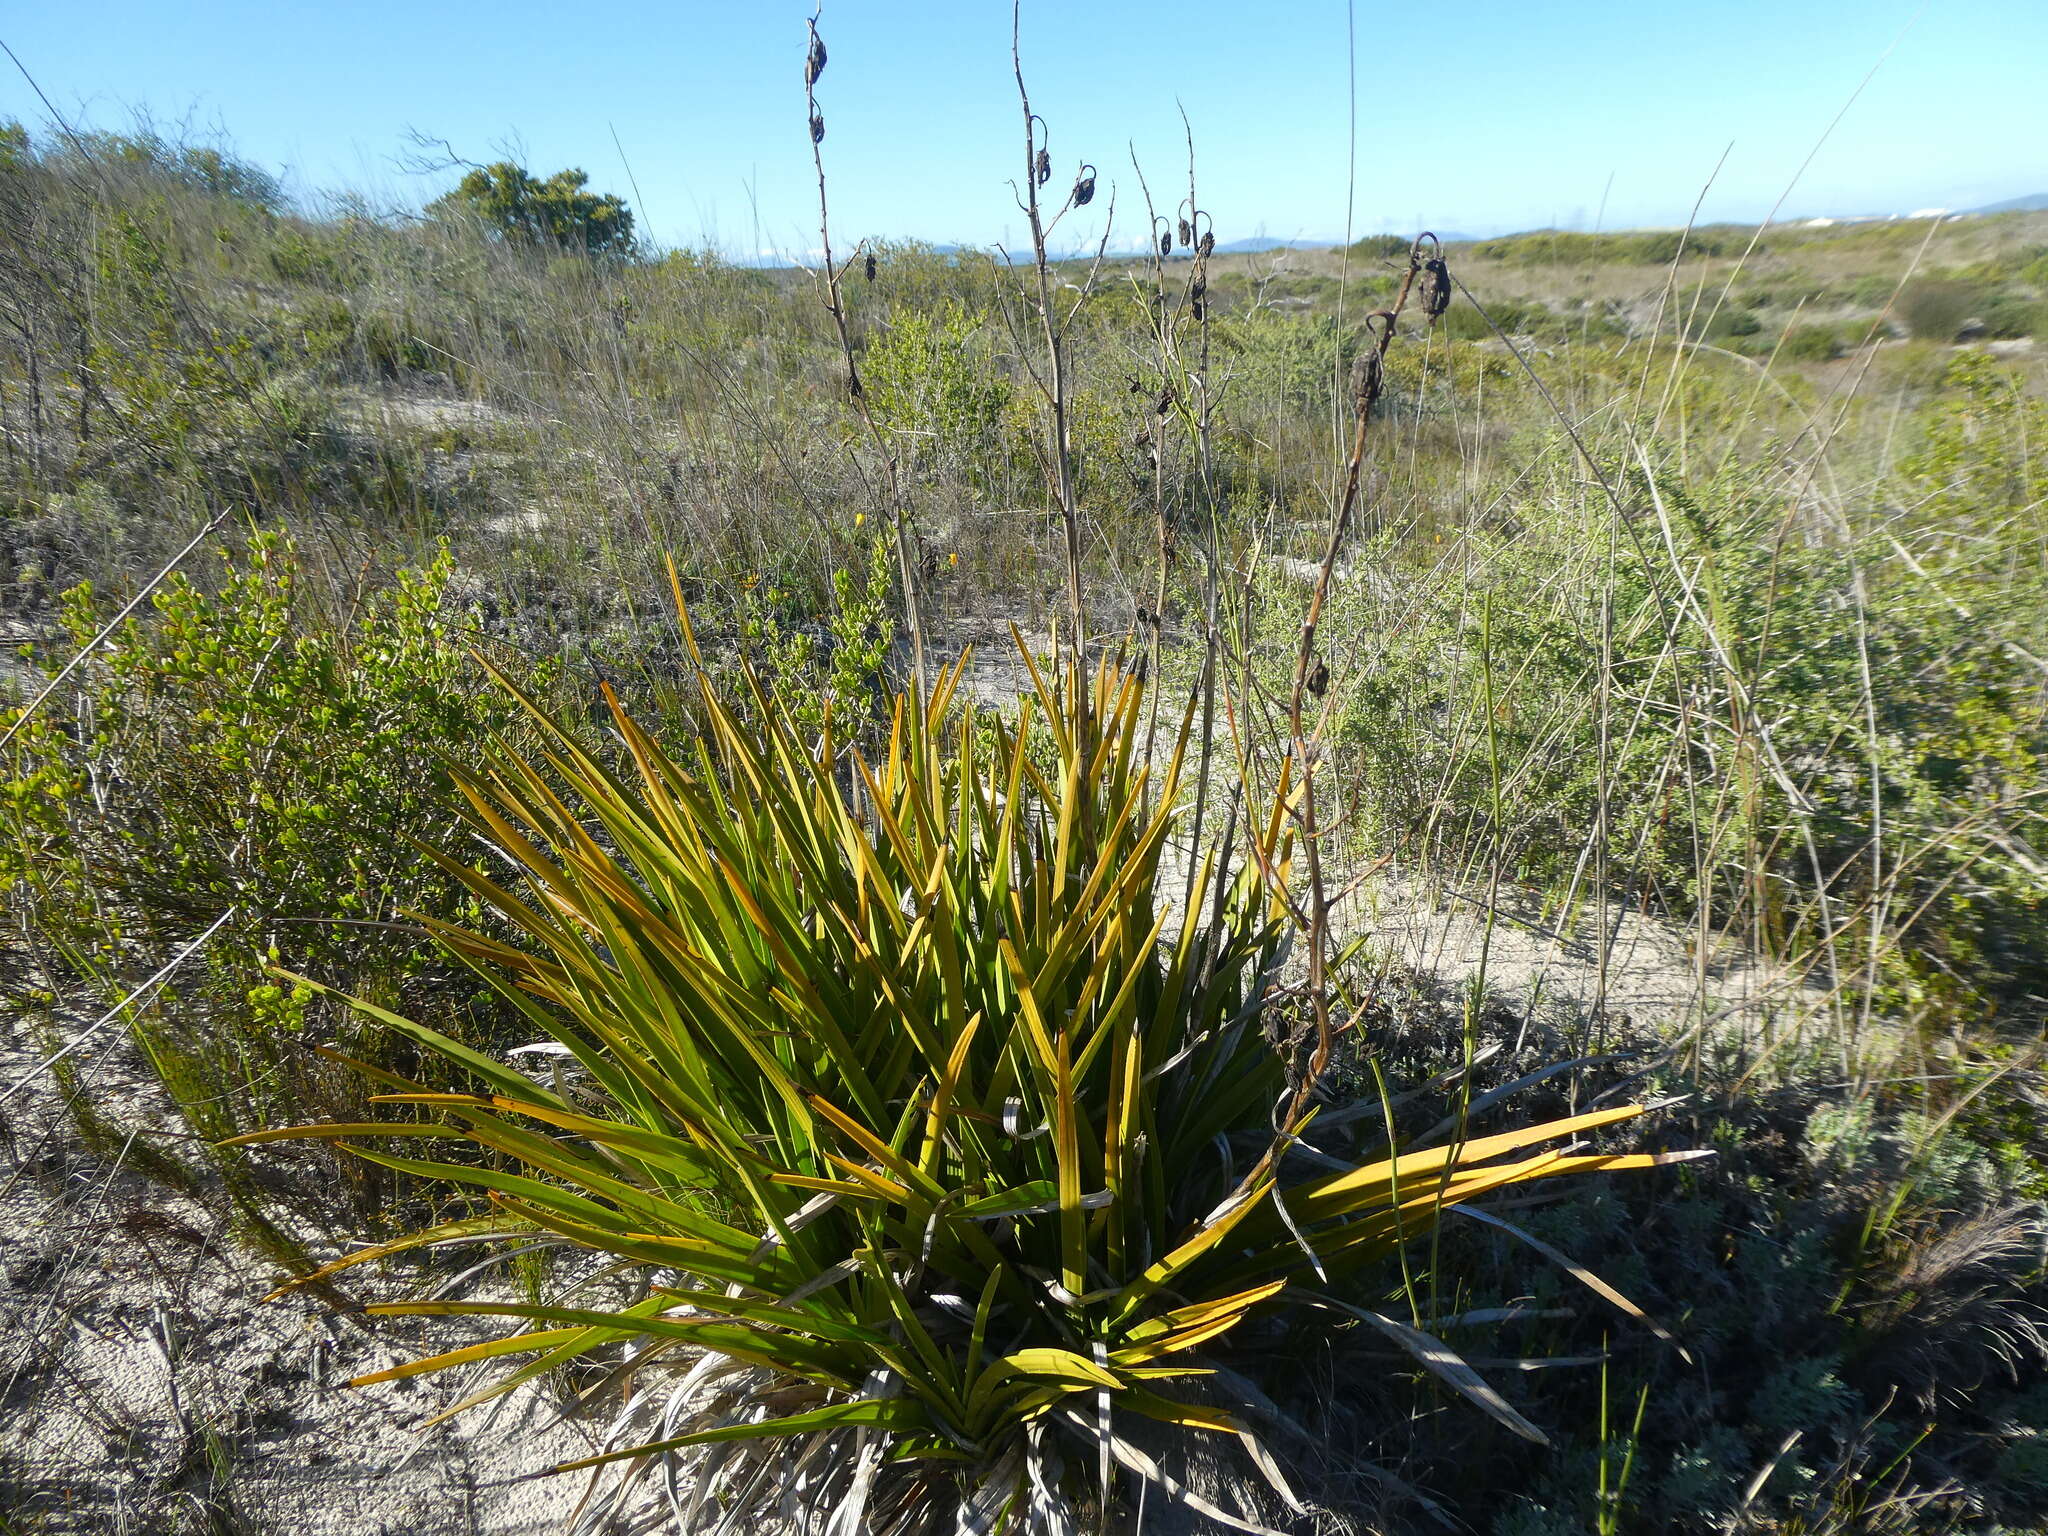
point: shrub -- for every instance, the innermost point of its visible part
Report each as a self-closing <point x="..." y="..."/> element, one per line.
<point x="200" y="167"/>
<point x="1382" y="247"/>
<point x="1556" y="247"/>
<point x="930" y="377"/>
<point x="2010" y="315"/>
<point x="1735" y="321"/>
<point x="846" y="681"/>
<point x="1937" y="308"/>
<point x="928" y="1125"/>
<point x="283" y="759"/>
<point x="554" y="214"/>
<point x="1462" y="322"/>
<point x="1812" y="344"/>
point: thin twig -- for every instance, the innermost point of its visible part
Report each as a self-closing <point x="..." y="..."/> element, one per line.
<point x="835" y="305"/>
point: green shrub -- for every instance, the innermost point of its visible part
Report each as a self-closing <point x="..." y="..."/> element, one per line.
<point x="918" y="1120"/>
<point x="1734" y="320"/>
<point x="1936" y="309"/>
<point x="1813" y="344"/>
<point x="2011" y="315"/>
<point x="1462" y="322"/>
<point x="555" y="214"/>
<point x="846" y="681"/>
<point x="1557" y="247"/>
<point x="931" y="377"/>
<point x="1378" y="248"/>
<point x="1807" y="1395"/>
<point x="270" y="762"/>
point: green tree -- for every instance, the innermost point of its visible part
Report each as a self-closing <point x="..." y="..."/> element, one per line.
<point x="556" y="212"/>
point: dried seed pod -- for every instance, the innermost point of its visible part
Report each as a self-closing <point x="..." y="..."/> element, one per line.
<point x="1199" y="288"/>
<point x="867" y="268"/>
<point x="1187" y="235"/>
<point x="1137" y="385"/>
<point x="853" y="389"/>
<point x="1369" y="369"/>
<point x="1199" y="310"/>
<point x="1368" y="377"/>
<point x="1434" y="290"/>
<point x="1044" y="168"/>
<point x="814" y="61"/>
<point x="1164" y="404"/>
<point x="1319" y="679"/>
<point x="1084" y="186"/>
<point x="1208" y="246"/>
<point x="817" y="127"/>
<point x="1166" y="243"/>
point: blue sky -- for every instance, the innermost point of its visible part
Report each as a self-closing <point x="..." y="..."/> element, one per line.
<point x="1487" y="115"/>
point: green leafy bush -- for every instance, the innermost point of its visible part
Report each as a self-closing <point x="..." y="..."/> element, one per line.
<point x="2010" y="314"/>
<point x="1936" y="308"/>
<point x="1461" y="322"/>
<point x="931" y="377"/>
<point x="552" y="214"/>
<point x="283" y="760"/>
<point x="929" y="1123"/>
<point x="1813" y="344"/>
<point x="1557" y="247"/>
<point x="839" y="673"/>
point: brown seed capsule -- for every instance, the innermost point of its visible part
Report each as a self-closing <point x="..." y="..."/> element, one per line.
<point x="1137" y="384"/>
<point x="1164" y="404"/>
<point x="1435" y="288"/>
<point x="1208" y="245"/>
<point x="1166" y="243"/>
<point x="1199" y="310"/>
<point x="817" y="127"/>
<point x="814" y="61"/>
<point x="1187" y="235"/>
<point x="853" y="388"/>
<point x="1319" y="680"/>
<point x="1368" y="376"/>
<point x="1199" y="288"/>
<point x="1044" y="169"/>
<point x="1084" y="186"/>
<point x="868" y="267"/>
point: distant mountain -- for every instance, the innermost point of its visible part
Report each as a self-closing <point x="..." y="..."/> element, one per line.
<point x="1259" y="243"/>
<point x="2036" y="203"/>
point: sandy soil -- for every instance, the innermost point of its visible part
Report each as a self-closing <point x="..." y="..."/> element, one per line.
<point x="145" y="1386"/>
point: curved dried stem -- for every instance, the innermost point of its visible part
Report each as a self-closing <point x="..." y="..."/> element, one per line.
<point x="1055" y="383"/>
<point x="1301" y="741"/>
<point x="830" y="274"/>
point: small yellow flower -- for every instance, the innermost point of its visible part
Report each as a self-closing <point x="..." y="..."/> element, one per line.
<point x="953" y="558"/>
<point x="859" y="518"/>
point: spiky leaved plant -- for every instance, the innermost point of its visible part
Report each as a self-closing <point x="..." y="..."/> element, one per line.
<point x="897" y="1098"/>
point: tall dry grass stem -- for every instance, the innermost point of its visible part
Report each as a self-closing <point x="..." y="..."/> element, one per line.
<point x="830" y="273"/>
